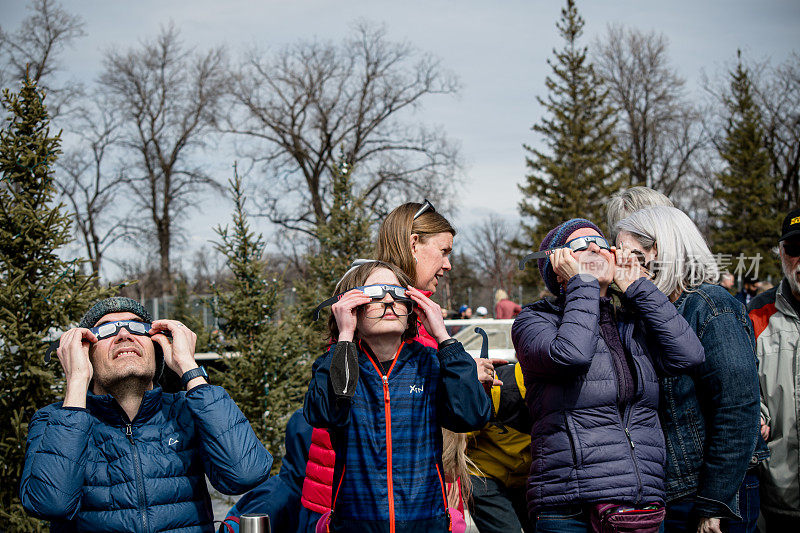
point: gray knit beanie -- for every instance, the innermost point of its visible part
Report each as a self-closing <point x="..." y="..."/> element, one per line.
<point x="121" y="304"/>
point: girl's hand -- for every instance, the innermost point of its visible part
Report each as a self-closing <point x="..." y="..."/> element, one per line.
<point x="430" y="314"/>
<point x="344" y="311"/>
<point x="628" y="269"/>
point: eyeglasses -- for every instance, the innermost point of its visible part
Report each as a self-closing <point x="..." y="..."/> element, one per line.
<point x="425" y="207"/>
<point x="398" y="307"/>
<point x="576" y="245"/>
<point x="376" y="292"/>
<point x="792" y="249"/>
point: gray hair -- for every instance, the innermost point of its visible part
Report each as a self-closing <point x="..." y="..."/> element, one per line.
<point x="684" y="260"/>
<point x="627" y="201"/>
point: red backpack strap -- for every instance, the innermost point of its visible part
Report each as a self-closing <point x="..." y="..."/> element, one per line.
<point x="228" y="527"/>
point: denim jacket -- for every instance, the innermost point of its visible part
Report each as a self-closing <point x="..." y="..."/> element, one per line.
<point x="711" y="416"/>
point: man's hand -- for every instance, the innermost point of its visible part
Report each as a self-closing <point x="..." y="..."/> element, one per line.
<point x="178" y="355"/>
<point x="73" y="353"/>
<point x="709" y="525"/>
<point x="764" y="429"/>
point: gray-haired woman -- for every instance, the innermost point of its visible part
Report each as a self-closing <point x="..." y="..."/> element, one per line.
<point x="710" y="417"/>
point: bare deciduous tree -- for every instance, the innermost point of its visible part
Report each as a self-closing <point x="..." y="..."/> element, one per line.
<point x="779" y="100"/>
<point x="306" y="102"/>
<point x="490" y="247"/>
<point x="168" y="97"/>
<point x="659" y="129"/>
<point x="35" y="46"/>
<point x="92" y="181"/>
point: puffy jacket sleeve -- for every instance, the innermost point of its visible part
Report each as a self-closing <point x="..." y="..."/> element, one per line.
<point x="236" y="461"/>
<point x="55" y="462"/>
<point x="462" y="403"/>
<point x="547" y="348"/>
<point x="321" y="407"/>
<point x="279" y="496"/>
<point x="678" y="348"/>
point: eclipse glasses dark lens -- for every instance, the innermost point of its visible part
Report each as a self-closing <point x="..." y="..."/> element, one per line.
<point x="582" y="243"/>
<point x="576" y="245"/>
<point x="110" y="329"/>
<point x="376" y="292"/>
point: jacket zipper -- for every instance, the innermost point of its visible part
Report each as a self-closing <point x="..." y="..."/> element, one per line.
<point x="139" y="482"/>
<point x="632" y="450"/>
<point x="444" y="497"/>
<point x="388" y="417"/>
<point x="625" y="418"/>
<point x="389" y="481"/>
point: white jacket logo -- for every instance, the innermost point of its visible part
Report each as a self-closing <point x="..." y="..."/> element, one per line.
<point x="414" y="389"/>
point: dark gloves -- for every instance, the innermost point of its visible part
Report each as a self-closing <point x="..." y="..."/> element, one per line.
<point x="344" y="369"/>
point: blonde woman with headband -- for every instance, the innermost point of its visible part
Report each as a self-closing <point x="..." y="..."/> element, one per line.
<point x="418" y="239"/>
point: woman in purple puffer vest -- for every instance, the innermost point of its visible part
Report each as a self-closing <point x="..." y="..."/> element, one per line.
<point x="591" y="372"/>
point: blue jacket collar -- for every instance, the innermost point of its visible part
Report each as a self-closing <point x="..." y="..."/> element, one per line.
<point x="104" y="406"/>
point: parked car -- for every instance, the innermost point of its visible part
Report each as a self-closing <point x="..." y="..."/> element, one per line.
<point x="498" y="332"/>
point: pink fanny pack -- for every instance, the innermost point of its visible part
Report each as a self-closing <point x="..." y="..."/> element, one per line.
<point x="613" y="518"/>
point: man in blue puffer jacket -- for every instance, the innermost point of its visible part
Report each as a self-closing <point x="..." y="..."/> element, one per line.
<point x="120" y="455"/>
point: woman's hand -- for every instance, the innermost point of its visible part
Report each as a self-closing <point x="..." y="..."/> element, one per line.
<point x="344" y="311"/>
<point x="430" y="314"/>
<point x="486" y="373"/>
<point x="709" y="525"/>
<point x="628" y="268"/>
<point x="565" y="265"/>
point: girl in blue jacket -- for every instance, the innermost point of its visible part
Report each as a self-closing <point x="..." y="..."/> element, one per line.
<point x="384" y="397"/>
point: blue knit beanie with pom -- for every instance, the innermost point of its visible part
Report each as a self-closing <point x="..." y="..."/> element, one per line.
<point x="556" y="238"/>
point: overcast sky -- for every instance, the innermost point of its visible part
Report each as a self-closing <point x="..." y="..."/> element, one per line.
<point x="498" y="49"/>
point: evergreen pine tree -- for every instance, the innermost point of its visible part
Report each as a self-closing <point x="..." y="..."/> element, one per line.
<point x="748" y="221"/>
<point x="246" y="305"/>
<point x="40" y="292"/>
<point x="576" y="173"/>
<point x="183" y="310"/>
<point x="345" y="236"/>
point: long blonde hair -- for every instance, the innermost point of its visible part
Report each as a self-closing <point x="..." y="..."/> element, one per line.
<point x="457" y="466"/>
<point x="394" y="235"/>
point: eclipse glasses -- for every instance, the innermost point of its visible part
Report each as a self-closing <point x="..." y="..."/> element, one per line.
<point x="111" y="329"/>
<point x="377" y="292"/>
<point x="576" y="245"/>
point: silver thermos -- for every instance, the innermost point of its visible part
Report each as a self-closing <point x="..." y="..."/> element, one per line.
<point x="254" y="523"/>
